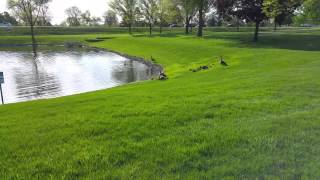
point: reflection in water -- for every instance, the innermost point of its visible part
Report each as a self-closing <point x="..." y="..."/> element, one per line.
<point x="127" y="72"/>
<point x="45" y="75"/>
<point x="33" y="83"/>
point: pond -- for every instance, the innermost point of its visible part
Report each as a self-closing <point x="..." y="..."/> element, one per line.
<point x="54" y="74"/>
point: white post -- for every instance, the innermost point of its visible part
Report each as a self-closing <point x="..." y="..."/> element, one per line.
<point x="1" y="94"/>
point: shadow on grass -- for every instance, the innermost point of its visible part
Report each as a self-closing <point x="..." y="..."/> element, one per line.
<point x="290" y="41"/>
<point x="168" y="35"/>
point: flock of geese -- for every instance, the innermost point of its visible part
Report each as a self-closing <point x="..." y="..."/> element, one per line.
<point x="163" y="76"/>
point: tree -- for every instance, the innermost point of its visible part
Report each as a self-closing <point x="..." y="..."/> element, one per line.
<point x="213" y="20"/>
<point x="279" y="10"/>
<point x="149" y="10"/>
<point x="110" y="18"/>
<point x="311" y="9"/>
<point x="173" y="13"/>
<point x="74" y="16"/>
<point x="226" y="12"/>
<point x="188" y="7"/>
<point x="162" y="12"/>
<point x="95" y="21"/>
<point x="224" y="7"/>
<point x="29" y="11"/>
<point x="167" y="12"/>
<point x="77" y="18"/>
<point x="127" y="9"/>
<point x="272" y="8"/>
<point x="203" y="6"/>
<point x="250" y="10"/>
<point x="44" y="18"/>
<point x="5" y="17"/>
<point x="86" y="18"/>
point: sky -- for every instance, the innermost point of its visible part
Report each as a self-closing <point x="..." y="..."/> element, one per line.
<point x="57" y="7"/>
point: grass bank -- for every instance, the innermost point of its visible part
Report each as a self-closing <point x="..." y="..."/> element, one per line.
<point x="256" y="118"/>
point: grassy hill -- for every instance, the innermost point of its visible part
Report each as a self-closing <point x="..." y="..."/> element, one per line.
<point x="258" y="118"/>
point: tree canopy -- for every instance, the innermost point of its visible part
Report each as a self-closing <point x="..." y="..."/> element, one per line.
<point x="149" y="10"/>
<point x="279" y="10"/>
<point x="127" y="9"/>
<point x="5" y="17"/>
<point x="29" y="12"/>
<point x="312" y="10"/>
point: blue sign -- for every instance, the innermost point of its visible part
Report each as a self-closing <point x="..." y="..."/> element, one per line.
<point x="1" y="78"/>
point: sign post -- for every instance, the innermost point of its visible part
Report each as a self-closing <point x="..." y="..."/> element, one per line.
<point x="1" y="82"/>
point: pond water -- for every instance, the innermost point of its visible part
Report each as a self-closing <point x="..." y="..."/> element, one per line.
<point x="55" y="74"/>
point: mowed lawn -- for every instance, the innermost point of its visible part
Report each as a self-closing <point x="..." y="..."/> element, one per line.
<point x="258" y="118"/>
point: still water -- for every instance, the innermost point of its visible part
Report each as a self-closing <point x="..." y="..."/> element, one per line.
<point x="55" y="74"/>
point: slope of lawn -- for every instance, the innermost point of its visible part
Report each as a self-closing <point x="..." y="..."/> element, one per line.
<point x="258" y="118"/>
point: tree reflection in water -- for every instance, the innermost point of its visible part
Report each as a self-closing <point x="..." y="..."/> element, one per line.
<point x="41" y="75"/>
<point x="34" y="82"/>
<point x="128" y="72"/>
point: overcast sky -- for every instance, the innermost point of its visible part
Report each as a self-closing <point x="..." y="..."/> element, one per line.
<point x="57" y="7"/>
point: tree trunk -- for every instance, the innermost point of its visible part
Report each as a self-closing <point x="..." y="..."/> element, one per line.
<point x="238" y="25"/>
<point x="150" y="29"/>
<point x="200" y="29"/>
<point x="275" y="26"/>
<point x="130" y="29"/>
<point x="256" y="33"/>
<point x="33" y="38"/>
<point x="161" y="26"/>
<point x="32" y="35"/>
<point x="187" y="23"/>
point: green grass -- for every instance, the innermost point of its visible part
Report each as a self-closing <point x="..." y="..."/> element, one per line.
<point x="259" y="118"/>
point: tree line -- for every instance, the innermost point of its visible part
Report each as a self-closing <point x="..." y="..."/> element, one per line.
<point x="161" y="13"/>
<point x="157" y="12"/>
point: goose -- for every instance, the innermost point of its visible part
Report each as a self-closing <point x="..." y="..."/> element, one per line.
<point x="153" y="59"/>
<point x="222" y="62"/>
